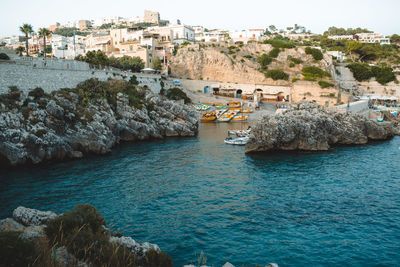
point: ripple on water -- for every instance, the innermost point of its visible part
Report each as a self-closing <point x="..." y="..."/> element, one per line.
<point x="197" y="194"/>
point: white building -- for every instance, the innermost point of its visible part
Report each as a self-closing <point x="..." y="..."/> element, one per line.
<point x="367" y="38"/>
<point x="174" y="33"/>
<point x="246" y="36"/>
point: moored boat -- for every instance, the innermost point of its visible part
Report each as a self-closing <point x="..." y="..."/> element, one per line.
<point x="208" y="116"/>
<point x="240" y="118"/>
<point x="240" y="141"/>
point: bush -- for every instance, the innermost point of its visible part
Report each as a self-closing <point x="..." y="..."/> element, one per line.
<point x="264" y="60"/>
<point x="314" y="72"/>
<point x="83" y="233"/>
<point x="4" y="56"/>
<point x="37" y="93"/>
<point x="279" y="43"/>
<point x="291" y="65"/>
<point x="274" y="53"/>
<point x="15" y="251"/>
<point x="94" y="89"/>
<point x="383" y="75"/>
<point x="295" y="60"/>
<point x="295" y="80"/>
<point x="177" y="94"/>
<point x="133" y="80"/>
<point x="361" y="72"/>
<point x="324" y="84"/>
<point x="248" y="56"/>
<point x="277" y="74"/>
<point x="316" y="53"/>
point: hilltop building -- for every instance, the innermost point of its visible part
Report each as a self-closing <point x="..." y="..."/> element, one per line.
<point x="368" y="38"/>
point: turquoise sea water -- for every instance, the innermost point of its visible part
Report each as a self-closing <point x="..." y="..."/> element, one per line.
<point x="335" y="208"/>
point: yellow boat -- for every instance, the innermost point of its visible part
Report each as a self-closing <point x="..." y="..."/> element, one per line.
<point x="208" y="116"/>
<point x="234" y="104"/>
<point x="240" y="118"/>
<point x="247" y="111"/>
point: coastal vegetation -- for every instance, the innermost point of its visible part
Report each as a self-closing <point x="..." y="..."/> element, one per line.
<point x="98" y="58"/>
<point x="43" y="32"/>
<point x="312" y="73"/>
<point x="175" y="94"/>
<point x="325" y="84"/>
<point x="26" y="29"/>
<point x="316" y="53"/>
<point x="264" y="60"/>
<point x="83" y="232"/>
<point x="364" y="72"/>
<point x="276" y="74"/>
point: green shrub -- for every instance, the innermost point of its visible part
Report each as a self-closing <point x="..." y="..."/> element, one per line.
<point x="94" y="89"/>
<point x="324" y="84"/>
<point x="361" y="72"/>
<point x="314" y="72"/>
<point x="383" y="75"/>
<point x="4" y="56"/>
<point x="295" y="80"/>
<point x="177" y="94"/>
<point x="316" y="53"/>
<point x="156" y="259"/>
<point x="295" y="60"/>
<point x="264" y="60"/>
<point x="248" y="56"/>
<point x="291" y="65"/>
<point x="274" y="53"/>
<point x="37" y="93"/>
<point x="277" y="74"/>
<point x="11" y="98"/>
<point x="15" y="251"/>
<point x="133" y="80"/>
<point x="279" y="43"/>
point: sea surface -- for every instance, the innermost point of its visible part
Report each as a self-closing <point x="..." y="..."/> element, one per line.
<point x="193" y="195"/>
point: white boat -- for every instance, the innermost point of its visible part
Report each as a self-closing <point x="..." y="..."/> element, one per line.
<point x="240" y="141"/>
<point x="239" y="133"/>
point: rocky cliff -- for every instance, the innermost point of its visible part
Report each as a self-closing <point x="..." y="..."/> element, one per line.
<point x="308" y="126"/>
<point x="91" y="118"/>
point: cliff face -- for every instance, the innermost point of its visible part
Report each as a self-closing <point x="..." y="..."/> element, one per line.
<point x="209" y="62"/>
<point x="63" y="125"/>
<point x="307" y="126"/>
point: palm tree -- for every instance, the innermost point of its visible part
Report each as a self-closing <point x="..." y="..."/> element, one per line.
<point x="19" y="50"/>
<point x="43" y="32"/>
<point x="27" y="29"/>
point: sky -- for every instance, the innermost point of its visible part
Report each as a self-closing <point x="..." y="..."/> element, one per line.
<point x="381" y="16"/>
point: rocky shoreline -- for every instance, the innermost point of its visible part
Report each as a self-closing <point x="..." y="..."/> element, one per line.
<point x="308" y="126"/>
<point x="89" y="119"/>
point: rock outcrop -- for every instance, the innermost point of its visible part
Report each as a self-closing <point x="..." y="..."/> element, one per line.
<point x="308" y="126"/>
<point x="42" y="127"/>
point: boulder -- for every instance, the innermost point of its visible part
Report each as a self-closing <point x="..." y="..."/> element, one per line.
<point x="32" y="217"/>
<point x="64" y="258"/>
<point x="9" y="225"/>
<point x="135" y="247"/>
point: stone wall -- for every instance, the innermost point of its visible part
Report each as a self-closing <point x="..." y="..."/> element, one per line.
<point x="54" y="76"/>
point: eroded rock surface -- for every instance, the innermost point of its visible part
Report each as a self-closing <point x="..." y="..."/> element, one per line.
<point x="308" y="126"/>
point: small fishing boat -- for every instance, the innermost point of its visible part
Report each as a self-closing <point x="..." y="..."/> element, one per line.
<point x="220" y="112"/>
<point x="201" y="107"/>
<point x="227" y="116"/>
<point x="240" y="141"/>
<point x="239" y="133"/>
<point x="240" y="118"/>
<point x="245" y="110"/>
<point x="235" y="104"/>
<point x="208" y="116"/>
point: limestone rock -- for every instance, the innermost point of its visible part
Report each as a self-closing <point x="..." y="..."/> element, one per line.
<point x="33" y="232"/>
<point x="32" y="217"/>
<point x="10" y="225"/>
<point x="308" y="126"/>
<point x="64" y="258"/>
<point x="57" y="128"/>
<point x="228" y="265"/>
<point x="135" y="247"/>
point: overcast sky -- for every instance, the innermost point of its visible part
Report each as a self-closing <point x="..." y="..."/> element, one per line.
<point x="317" y="15"/>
